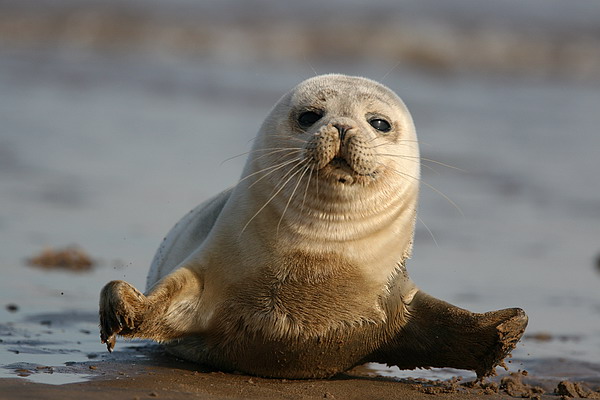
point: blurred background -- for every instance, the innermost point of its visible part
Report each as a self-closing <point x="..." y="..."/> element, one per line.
<point x="116" y="118"/>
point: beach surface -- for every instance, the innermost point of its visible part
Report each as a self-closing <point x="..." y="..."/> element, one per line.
<point x="148" y="373"/>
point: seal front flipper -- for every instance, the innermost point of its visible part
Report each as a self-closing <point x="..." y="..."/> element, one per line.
<point x="167" y="312"/>
<point x="438" y="334"/>
<point x="121" y="307"/>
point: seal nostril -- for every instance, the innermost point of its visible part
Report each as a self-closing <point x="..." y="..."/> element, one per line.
<point x="342" y="129"/>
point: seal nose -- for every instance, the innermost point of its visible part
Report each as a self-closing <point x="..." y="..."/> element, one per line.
<point x="342" y="129"/>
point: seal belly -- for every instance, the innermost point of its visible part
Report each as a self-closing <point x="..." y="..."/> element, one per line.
<point x="309" y="317"/>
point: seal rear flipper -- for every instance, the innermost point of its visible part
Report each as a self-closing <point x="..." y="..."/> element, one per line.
<point x="438" y="334"/>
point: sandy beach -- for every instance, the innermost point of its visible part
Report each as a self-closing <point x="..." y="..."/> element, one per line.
<point x="160" y="376"/>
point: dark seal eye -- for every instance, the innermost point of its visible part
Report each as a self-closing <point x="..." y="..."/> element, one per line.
<point x="380" y="124"/>
<point x="308" y="118"/>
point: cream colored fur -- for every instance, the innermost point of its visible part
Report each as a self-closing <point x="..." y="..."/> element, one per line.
<point x="369" y="224"/>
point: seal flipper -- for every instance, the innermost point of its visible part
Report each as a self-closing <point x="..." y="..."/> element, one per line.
<point x="438" y="334"/>
<point x="169" y="311"/>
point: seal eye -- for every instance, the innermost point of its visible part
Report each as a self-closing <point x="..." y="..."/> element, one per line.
<point x="380" y="124"/>
<point x="308" y="118"/>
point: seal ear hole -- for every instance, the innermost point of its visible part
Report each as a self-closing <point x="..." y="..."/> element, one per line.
<point x="308" y="118"/>
<point x="380" y="124"/>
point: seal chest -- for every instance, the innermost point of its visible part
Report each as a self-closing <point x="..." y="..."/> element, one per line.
<point x="298" y="271"/>
<point x="306" y="296"/>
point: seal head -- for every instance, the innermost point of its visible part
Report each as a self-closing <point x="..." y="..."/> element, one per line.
<point x="336" y="164"/>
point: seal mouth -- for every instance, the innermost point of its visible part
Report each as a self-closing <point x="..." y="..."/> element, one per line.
<point x="342" y="171"/>
<point x="339" y="170"/>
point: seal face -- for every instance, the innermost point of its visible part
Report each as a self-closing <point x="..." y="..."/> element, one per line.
<point x="298" y="271"/>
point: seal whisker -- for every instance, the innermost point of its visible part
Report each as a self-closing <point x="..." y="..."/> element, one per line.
<point x="426" y="159"/>
<point x="396" y="142"/>
<point x="236" y="156"/>
<point x="275" y="135"/>
<point x="317" y="185"/>
<point x="432" y="188"/>
<point x="411" y="159"/>
<point x="268" y="201"/>
<point x="275" y="150"/>
<point x="399" y="143"/>
<point x="273" y="169"/>
<point x="290" y="171"/>
<point x="309" y="64"/>
<point x="307" y="186"/>
<point x="291" y="150"/>
<point x="428" y="230"/>
<point x="418" y="160"/>
<point x="407" y="158"/>
<point x="391" y="70"/>
<point x="289" y="138"/>
<point x="442" y="164"/>
<point x="306" y="168"/>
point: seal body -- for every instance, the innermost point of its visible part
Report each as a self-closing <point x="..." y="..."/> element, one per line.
<point x="299" y="270"/>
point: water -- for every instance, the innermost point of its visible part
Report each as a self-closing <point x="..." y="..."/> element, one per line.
<point x="108" y="151"/>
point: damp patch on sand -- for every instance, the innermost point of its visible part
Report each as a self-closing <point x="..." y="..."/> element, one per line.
<point x="56" y="348"/>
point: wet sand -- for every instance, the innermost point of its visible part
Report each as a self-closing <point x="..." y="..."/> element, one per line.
<point x="168" y="384"/>
<point x="144" y="370"/>
<point x="123" y="375"/>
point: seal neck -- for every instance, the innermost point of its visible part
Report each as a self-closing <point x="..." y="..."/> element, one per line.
<point x="359" y="222"/>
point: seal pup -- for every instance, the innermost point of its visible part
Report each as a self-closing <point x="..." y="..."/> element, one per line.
<point x="299" y="270"/>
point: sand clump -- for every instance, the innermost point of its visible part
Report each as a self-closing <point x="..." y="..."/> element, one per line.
<point x="71" y="258"/>
<point x="514" y="386"/>
<point x="566" y="390"/>
<point x="511" y="385"/>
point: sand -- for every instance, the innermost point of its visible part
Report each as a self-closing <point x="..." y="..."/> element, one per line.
<point x="172" y="382"/>
<point x="147" y="372"/>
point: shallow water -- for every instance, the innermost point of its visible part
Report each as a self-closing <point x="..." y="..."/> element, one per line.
<point x="108" y="153"/>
